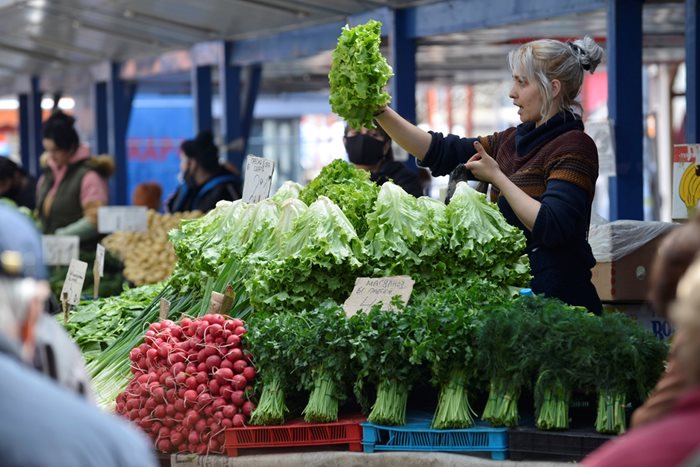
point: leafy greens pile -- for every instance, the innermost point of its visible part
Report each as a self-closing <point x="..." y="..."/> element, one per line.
<point x="358" y="75"/>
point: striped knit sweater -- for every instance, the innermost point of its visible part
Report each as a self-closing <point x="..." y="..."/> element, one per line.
<point x="557" y="164"/>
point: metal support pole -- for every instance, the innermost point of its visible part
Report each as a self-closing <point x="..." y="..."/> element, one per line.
<point x="202" y="92"/>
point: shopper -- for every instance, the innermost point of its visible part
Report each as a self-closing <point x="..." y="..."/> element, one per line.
<point x="542" y="173"/>
<point x="371" y="150"/>
<point x="74" y="185"/>
<point x="674" y="256"/>
<point x="147" y="194"/>
<point x="16" y="184"/>
<point x="671" y="440"/>
<point x="42" y="423"/>
<point x="205" y="180"/>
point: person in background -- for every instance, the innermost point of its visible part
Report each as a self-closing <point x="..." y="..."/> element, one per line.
<point x="371" y="150"/>
<point x="542" y="173"/>
<point x="42" y="423"/>
<point x="205" y="180"/>
<point x="675" y="438"/>
<point x="16" y="184"/>
<point x="674" y="256"/>
<point x="74" y="185"/>
<point x="147" y="194"/>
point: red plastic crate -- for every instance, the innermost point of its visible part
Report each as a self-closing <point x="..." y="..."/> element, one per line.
<point x="296" y="433"/>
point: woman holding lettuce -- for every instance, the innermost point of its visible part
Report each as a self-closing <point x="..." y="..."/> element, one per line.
<point x="542" y="173"/>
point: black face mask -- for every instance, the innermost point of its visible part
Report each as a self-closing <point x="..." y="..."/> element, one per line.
<point x="364" y="150"/>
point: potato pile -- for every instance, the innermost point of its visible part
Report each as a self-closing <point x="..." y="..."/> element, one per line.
<point x="148" y="256"/>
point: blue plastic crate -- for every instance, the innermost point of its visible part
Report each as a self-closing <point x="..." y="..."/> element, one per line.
<point x="417" y="435"/>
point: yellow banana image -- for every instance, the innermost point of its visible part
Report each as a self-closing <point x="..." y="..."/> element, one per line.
<point x="689" y="188"/>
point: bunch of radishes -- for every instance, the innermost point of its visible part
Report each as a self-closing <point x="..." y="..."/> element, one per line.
<point x="191" y="382"/>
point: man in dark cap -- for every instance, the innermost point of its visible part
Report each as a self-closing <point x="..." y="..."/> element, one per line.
<point x="371" y="150"/>
<point x="41" y="422"/>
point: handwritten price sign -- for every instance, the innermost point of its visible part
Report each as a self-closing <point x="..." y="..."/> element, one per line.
<point x="370" y="291"/>
<point x="258" y="178"/>
<point x="122" y="219"/>
<point x="59" y="250"/>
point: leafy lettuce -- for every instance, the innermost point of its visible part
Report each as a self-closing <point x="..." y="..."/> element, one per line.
<point x="358" y="75"/>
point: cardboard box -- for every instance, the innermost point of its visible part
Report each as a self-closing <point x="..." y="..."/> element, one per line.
<point x="626" y="279"/>
<point x="661" y="327"/>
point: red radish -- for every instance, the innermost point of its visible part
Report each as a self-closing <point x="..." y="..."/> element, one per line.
<point x="200" y="425"/>
<point x="193" y="437"/>
<point x="236" y="322"/>
<point x="224" y="374"/>
<point x="233" y="340"/>
<point x="238" y="398"/>
<point x="201" y="377"/>
<point x="213" y="362"/>
<point x="201" y="367"/>
<point x="226" y="363"/>
<point x="170" y="409"/>
<point x="228" y="411"/>
<point x="227" y="422"/>
<point x="238" y="382"/>
<point x="239" y="366"/>
<point x="191" y="382"/>
<point x="209" y="411"/>
<point x="248" y="408"/>
<point x="235" y="354"/>
<point x="190" y="397"/>
<point x="239" y="331"/>
<point x="176" y="438"/>
<point x="238" y="420"/>
<point x="249" y="374"/>
<point x="214" y="387"/>
<point x="179" y="405"/>
<point x="226" y="392"/>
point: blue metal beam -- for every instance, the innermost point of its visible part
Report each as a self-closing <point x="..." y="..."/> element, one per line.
<point x="202" y="92"/>
<point x="403" y="54"/>
<point x="117" y="120"/>
<point x="692" y="65"/>
<point x="463" y="15"/>
<point x="35" y="145"/>
<point x="24" y="150"/>
<point x="625" y="107"/>
<point x="230" y="92"/>
<point x="254" y="75"/>
<point x="100" y="115"/>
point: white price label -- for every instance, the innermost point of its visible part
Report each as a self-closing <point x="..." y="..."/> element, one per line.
<point x="100" y="260"/>
<point x="122" y="218"/>
<point x="73" y="285"/>
<point x="370" y="291"/>
<point x="258" y="178"/>
<point x="59" y="250"/>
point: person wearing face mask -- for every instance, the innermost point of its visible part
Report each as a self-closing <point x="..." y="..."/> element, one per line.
<point x="542" y="174"/>
<point x="371" y="150"/>
<point x="205" y="181"/>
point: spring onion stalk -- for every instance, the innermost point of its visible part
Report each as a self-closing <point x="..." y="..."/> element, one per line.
<point x="272" y="406"/>
<point x="453" y="410"/>
<point x="552" y="403"/>
<point x="611" y="412"/>
<point x="323" y="401"/>
<point x="502" y="406"/>
<point x="390" y="406"/>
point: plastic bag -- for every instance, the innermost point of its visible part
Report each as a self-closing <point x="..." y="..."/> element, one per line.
<point x="611" y="241"/>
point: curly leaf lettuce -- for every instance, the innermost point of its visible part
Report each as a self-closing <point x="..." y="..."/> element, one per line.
<point x="358" y="75"/>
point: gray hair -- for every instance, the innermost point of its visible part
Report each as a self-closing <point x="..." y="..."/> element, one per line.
<point x="544" y="60"/>
<point x="16" y="296"/>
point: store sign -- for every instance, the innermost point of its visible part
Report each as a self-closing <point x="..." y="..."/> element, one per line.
<point x="370" y="291"/>
<point x="258" y="178"/>
<point x="122" y="219"/>
<point x="73" y="285"/>
<point x="59" y="250"/>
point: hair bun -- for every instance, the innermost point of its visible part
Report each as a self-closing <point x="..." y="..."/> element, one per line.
<point x="587" y="52"/>
<point x="60" y="118"/>
<point x="205" y="138"/>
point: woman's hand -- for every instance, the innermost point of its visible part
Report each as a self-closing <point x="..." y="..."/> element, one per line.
<point x="483" y="166"/>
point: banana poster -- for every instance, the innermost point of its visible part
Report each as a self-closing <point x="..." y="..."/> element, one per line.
<point x="686" y="180"/>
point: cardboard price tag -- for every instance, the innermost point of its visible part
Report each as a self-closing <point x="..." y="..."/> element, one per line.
<point x="73" y="285"/>
<point x="59" y="250"/>
<point x="164" y="309"/>
<point x="99" y="267"/>
<point x="122" y="219"/>
<point x="258" y="178"/>
<point x="369" y="291"/>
